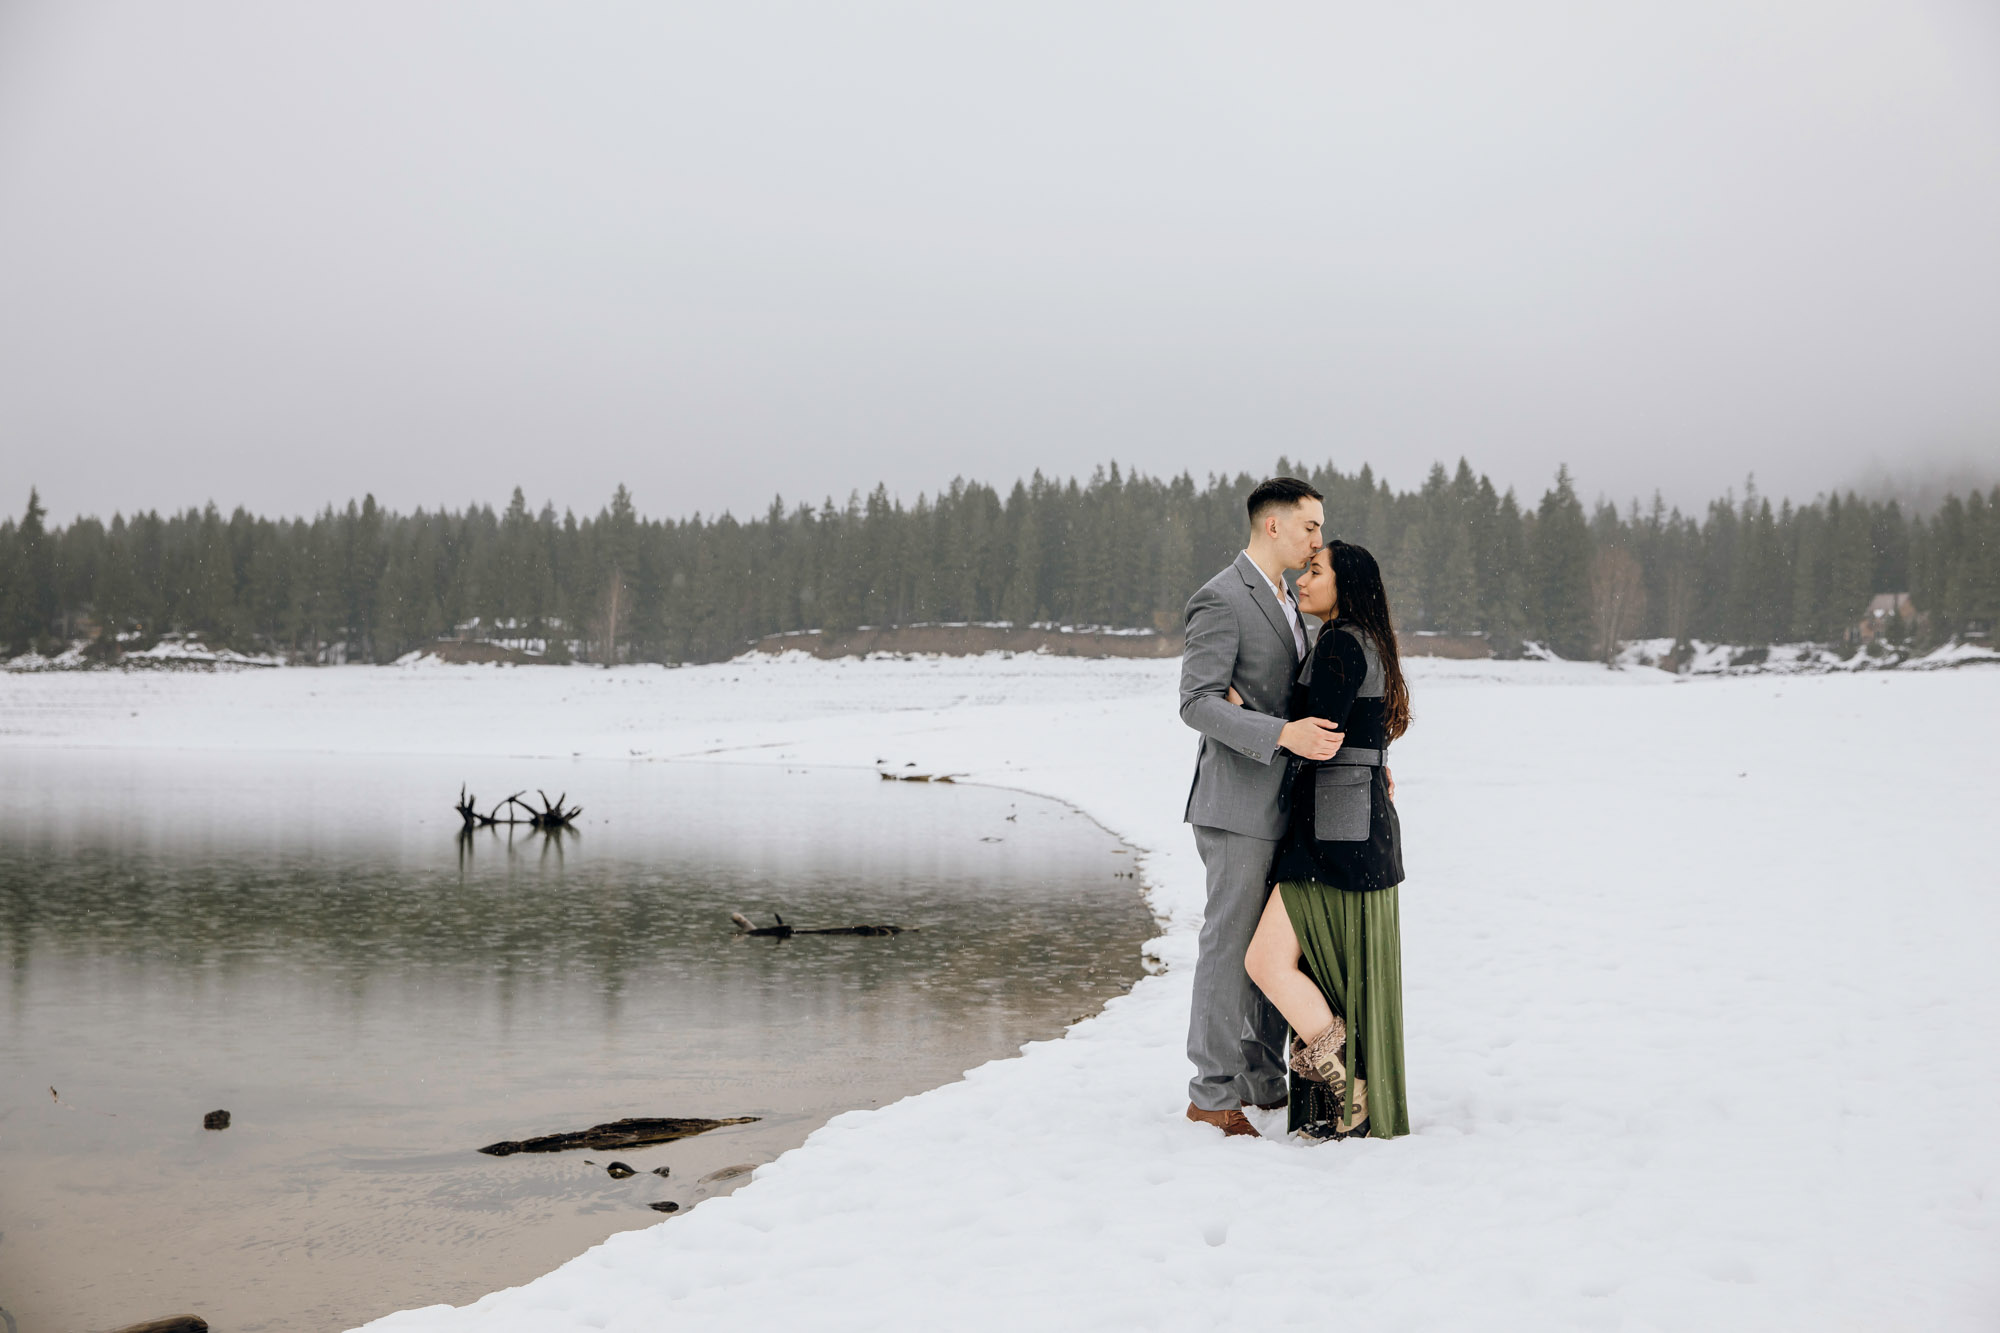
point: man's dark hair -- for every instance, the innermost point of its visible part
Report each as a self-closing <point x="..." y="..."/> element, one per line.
<point x="1279" y="491"/>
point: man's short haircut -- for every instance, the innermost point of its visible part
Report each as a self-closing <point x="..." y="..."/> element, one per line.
<point x="1279" y="491"/>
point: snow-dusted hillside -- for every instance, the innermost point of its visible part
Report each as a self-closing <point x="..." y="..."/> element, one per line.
<point x="1701" y="1004"/>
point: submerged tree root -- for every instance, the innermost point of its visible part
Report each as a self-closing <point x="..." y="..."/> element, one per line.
<point x="552" y="815"/>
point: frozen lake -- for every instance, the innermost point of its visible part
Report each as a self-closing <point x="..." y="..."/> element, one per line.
<point x="308" y="942"/>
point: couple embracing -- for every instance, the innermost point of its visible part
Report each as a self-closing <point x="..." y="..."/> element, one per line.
<point x="1294" y="819"/>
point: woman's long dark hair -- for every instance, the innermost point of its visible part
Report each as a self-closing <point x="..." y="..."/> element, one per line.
<point x="1360" y="598"/>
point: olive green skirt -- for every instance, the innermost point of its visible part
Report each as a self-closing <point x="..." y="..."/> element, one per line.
<point x="1352" y="948"/>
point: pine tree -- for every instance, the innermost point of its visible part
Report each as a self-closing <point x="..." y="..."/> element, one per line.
<point x="1759" y="576"/>
<point x="1982" y="560"/>
<point x="114" y="594"/>
<point x="15" y="622"/>
<point x="617" y="564"/>
<point x="1439" y="547"/>
<point x="1021" y="601"/>
<point x="1561" y="561"/>
<point x="407" y="595"/>
<point x="210" y="591"/>
<point x="1504" y="612"/>
<point x="1174" y="568"/>
<point x="1679" y="578"/>
<point x="1851" y="573"/>
<point x="32" y="601"/>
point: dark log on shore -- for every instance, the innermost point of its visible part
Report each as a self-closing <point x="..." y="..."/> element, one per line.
<point x="782" y="931"/>
<point x="179" y="1323"/>
<point x="635" y="1133"/>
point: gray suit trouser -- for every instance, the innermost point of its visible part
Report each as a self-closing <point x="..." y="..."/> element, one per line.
<point x="1236" y="1037"/>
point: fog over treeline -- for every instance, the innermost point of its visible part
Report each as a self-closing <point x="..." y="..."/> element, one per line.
<point x="1120" y="549"/>
<point x="1922" y="487"/>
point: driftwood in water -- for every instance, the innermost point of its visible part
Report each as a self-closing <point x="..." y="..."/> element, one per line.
<point x="552" y="815"/>
<point x="637" y="1133"/>
<point x="781" y="931"/>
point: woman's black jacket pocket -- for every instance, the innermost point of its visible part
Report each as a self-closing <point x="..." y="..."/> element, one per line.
<point x="1341" y="803"/>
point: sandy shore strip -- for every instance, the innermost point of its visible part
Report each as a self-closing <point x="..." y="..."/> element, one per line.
<point x="1700" y="998"/>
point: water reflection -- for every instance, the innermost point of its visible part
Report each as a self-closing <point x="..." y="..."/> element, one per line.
<point x="373" y="992"/>
<point x="544" y="840"/>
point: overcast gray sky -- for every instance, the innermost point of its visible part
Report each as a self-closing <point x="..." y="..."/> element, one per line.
<point x="278" y="253"/>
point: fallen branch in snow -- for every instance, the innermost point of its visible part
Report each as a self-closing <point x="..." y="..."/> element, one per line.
<point x="782" y="931"/>
<point x="634" y="1133"/>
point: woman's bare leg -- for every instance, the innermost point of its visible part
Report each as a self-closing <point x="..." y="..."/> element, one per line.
<point x="1273" y="963"/>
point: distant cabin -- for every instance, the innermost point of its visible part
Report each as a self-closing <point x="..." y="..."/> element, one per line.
<point x="1888" y="612"/>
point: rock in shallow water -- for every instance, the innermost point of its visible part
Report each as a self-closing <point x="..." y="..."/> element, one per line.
<point x="213" y="1120"/>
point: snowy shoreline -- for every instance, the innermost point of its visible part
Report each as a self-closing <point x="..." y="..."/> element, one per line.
<point x="1659" y="943"/>
<point x="1704" y="660"/>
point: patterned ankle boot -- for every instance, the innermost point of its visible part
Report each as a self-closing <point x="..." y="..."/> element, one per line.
<point x="1355" y="1126"/>
<point x="1324" y="1058"/>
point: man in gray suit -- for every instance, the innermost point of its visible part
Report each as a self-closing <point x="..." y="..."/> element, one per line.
<point x="1243" y="629"/>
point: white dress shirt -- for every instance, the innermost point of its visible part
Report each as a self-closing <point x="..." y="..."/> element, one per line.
<point x="1291" y="609"/>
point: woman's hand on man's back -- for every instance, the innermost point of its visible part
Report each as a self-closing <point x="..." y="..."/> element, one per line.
<point x="1308" y="738"/>
<point x="1311" y="738"/>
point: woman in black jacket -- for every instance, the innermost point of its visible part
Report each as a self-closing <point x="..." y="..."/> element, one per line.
<point x="1328" y="952"/>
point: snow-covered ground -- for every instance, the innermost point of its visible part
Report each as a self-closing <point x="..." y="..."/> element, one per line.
<point x="1702" y="1004"/>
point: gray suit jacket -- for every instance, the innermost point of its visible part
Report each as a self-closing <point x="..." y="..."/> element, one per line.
<point x="1237" y="635"/>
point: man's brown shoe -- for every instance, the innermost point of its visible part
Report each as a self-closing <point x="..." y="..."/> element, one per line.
<point x="1230" y="1122"/>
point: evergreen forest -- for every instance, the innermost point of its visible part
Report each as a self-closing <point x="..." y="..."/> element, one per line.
<point x="1119" y="550"/>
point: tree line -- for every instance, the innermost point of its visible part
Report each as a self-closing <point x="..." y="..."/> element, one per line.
<point x="1120" y="550"/>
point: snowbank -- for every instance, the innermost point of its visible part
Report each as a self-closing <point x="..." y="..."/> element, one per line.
<point x="171" y="651"/>
<point x="1795" y="659"/>
<point x="1700" y="1000"/>
<point x="1955" y="654"/>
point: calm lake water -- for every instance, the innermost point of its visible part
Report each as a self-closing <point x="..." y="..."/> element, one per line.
<point x="308" y="943"/>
